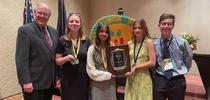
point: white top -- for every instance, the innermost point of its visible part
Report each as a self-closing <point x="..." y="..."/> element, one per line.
<point x="95" y="74"/>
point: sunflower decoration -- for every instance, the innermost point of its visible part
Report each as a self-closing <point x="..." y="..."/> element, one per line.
<point x="120" y="28"/>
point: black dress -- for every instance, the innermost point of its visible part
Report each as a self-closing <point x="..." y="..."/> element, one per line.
<point x="74" y="80"/>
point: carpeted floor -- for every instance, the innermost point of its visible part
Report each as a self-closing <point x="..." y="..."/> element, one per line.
<point x="15" y="97"/>
<point x="195" y="90"/>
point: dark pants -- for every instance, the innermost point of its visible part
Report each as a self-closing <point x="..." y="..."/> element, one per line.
<point x="120" y="96"/>
<point x="120" y="81"/>
<point x="45" y="94"/>
<point x="56" y="92"/>
<point x="173" y="89"/>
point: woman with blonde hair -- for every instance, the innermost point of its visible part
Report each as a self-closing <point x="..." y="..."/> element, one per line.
<point x="71" y="54"/>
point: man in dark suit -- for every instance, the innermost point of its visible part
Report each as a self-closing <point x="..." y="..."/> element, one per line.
<point x="35" y="54"/>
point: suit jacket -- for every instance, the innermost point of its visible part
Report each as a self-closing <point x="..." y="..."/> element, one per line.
<point x="35" y="61"/>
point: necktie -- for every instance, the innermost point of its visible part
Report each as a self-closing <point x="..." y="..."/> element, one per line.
<point x="168" y="73"/>
<point x="166" y="53"/>
<point x="47" y="37"/>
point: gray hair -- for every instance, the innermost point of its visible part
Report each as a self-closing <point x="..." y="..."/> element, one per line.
<point x="42" y="4"/>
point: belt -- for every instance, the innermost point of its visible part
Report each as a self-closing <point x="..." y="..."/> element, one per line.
<point x="173" y="78"/>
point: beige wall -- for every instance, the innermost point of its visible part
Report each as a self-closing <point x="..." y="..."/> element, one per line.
<point x="191" y="16"/>
<point x="11" y="18"/>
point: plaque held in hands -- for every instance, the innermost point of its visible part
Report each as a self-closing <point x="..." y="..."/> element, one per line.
<point x="118" y="59"/>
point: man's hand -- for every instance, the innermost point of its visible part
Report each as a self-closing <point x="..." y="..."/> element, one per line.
<point x="120" y="89"/>
<point x="58" y="83"/>
<point x="28" y="87"/>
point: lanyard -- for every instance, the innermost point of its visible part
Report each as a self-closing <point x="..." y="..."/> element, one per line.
<point x="77" y="48"/>
<point x="103" y="55"/>
<point x="136" y="57"/>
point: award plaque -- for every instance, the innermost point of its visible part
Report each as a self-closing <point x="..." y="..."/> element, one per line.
<point x="118" y="59"/>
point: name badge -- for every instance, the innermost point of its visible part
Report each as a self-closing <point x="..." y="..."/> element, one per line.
<point x="166" y="64"/>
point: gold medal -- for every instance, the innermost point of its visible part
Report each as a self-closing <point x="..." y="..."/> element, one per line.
<point x="76" y="61"/>
<point x="76" y="52"/>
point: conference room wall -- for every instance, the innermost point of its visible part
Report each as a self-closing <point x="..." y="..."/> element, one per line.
<point x="191" y="16"/>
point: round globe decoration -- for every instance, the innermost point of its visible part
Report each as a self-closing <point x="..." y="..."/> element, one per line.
<point x="120" y="28"/>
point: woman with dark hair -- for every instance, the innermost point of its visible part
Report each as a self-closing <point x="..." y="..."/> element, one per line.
<point x="102" y="82"/>
<point x="142" y="55"/>
<point x="72" y="55"/>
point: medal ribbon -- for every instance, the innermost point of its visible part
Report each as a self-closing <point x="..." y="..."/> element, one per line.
<point x="103" y="55"/>
<point x="77" y="47"/>
<point x="136" y="55"/>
